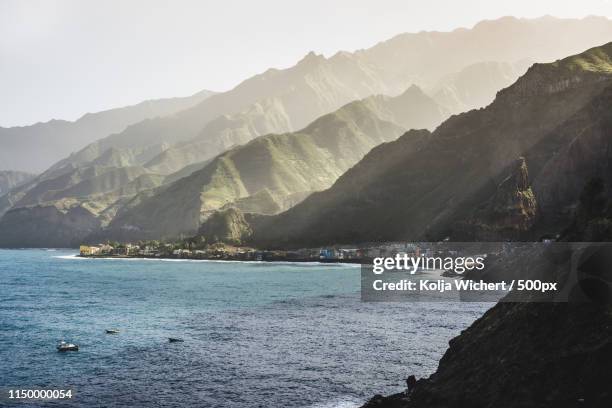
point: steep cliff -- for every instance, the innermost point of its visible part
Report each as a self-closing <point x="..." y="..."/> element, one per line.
<point x="553" y="354"/>
<point x="509" y="213"/>
<point x="521" y="355"/>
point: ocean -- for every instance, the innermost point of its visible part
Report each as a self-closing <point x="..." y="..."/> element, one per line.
<point x="255" y="334"/>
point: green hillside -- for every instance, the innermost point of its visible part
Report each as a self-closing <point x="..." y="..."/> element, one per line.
<point x="264" y="175"/>
<point x="223" y="133"/>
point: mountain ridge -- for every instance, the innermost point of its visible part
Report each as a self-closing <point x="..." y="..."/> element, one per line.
<point x="55" y="138"/>
<point x="279" y="166"/>
<point x="465" y="158"/>
<point x="175" y="146"/>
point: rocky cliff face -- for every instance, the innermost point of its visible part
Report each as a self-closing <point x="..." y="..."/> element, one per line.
<point x="514" y="206"/>
<point x="510" y="213"/>
<point x="521" y="355"/>
<point x="555" y="354"/>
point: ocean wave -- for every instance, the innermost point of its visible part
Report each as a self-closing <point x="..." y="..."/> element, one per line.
<point x="340" y="403"/>
<point x="73" y="256"/>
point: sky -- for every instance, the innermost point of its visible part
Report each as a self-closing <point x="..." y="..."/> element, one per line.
<point x="62" y="58"/>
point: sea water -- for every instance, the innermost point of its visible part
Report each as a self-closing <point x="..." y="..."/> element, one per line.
<point x="255" y="334"/>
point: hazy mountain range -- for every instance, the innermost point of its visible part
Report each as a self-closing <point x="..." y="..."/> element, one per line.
<point x="36" y="147"/>
<point x="135" y="181"/>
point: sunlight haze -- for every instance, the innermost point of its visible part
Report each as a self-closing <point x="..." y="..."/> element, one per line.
<point x="61" y="59"/>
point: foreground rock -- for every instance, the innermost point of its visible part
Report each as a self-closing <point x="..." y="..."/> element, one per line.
<point x="522" y="355"/>
<point x="535" y="354"/>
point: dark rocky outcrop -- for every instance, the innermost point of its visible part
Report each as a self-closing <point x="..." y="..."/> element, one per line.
<point x="522" y="355"/>
<point x="556" y="354"/>
<point x="514" y="205"/>
<point x="510" y="213"/>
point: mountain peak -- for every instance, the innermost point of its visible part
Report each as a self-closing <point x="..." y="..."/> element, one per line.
<point x="413" y="90"/>
<point x="311" y="58"/>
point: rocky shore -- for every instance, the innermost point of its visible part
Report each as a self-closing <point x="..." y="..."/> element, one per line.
<point x="522" y="355"/>
<point x="551" y="352"/>
<point x="230" y="258"/>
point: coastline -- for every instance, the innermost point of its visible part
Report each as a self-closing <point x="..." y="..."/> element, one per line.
<point x="345" y="262"/>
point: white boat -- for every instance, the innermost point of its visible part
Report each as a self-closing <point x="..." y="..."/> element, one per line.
<point x="112" y="331"/>
<point x="63" y="346"/>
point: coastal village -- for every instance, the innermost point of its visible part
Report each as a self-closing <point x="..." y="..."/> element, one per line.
<point x="187" y="250"/>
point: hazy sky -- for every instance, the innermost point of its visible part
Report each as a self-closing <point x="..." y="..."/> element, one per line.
<point x="60" y="59"/>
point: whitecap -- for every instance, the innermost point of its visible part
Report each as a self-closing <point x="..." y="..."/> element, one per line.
<point x="339" y="403"/>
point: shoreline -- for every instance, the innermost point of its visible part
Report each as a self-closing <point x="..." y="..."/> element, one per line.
<point x="347" y="262"/>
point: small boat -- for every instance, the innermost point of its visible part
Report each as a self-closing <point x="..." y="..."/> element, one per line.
<point x="175" y="340"/>
<point x="112" y="331"/>
<point x="63" y="346"/>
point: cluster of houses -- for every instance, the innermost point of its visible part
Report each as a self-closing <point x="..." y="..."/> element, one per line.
<point x="135" y="250"/>
<point x="328" y="254"/>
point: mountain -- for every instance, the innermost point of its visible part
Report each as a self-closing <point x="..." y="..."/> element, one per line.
<point x="273" y="172"/>
<point x="164" y="149"/>
<point x="230" y="130"/>
<point x="222" y="133"/>
<point x="291" y="98"/>
<point x="556" y="117"/>
<point x="34" y="148"/>
<point x="267" y="175"/>
<point x="426" y="57"/>
<point x="59" y="211"/>
<point x="12" y="179"/>
<point x="281" y="100"/>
